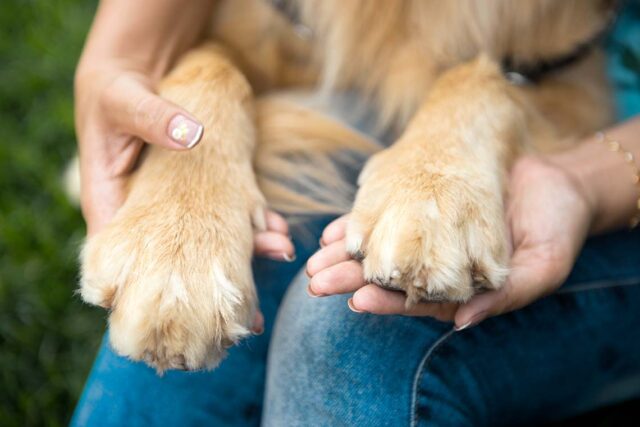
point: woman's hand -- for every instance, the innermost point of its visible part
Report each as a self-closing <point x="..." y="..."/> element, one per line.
<point x="549" y="215"/>
<point x="118" y="111"/>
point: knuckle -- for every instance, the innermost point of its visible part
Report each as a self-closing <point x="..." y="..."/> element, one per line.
<point x="148" y="112"/>
<point x="84" y="79"/>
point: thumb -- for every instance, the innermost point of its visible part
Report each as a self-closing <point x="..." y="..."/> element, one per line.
<point x="531" y="276"/>
<point x="137" y="111"/>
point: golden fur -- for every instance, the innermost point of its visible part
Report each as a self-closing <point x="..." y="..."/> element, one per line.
<point x="174" y="265"/>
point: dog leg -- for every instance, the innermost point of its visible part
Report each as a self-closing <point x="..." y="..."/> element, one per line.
<point x="428" y="217"/>
<point x="174" y="264"/>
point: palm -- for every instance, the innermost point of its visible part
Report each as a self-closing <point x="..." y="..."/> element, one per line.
<point x="549" y="220"/>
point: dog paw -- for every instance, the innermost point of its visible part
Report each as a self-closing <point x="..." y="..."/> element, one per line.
<point x="177" y="279"/>
<point x="436" y="233"/>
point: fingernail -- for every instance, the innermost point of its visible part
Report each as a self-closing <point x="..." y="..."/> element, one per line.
<point x="280" y="256"/>
<point x="185" y="131"/>
<point x="460" y="328"/>
<point x="473" y="322"/>
<point x="352" y="308"/>
<point x="312" y="294"/>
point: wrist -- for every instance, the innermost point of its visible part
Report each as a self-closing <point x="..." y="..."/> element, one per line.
<point x="145" y="36"/>
<point x="581" y="176"/>
<point x="605" y="177"/>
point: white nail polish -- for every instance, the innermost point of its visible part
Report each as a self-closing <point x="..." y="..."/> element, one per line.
<point x="185" y="131"/>
<point x="465" y="326"/>
<point x="196" y="137"/>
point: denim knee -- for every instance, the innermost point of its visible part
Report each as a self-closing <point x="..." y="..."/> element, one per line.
<point x="556" y="358"/>
<point x="330" y="366"/>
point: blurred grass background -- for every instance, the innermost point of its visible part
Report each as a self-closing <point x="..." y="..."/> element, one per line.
<point x="48" y="338"/>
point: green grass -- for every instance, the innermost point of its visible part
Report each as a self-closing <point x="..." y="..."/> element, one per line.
<point x="48" y="338"/>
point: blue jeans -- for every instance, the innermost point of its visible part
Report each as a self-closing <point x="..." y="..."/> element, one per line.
<point x="573" y="351"/>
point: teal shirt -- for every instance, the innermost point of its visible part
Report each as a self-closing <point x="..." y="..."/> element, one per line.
<point x="623" y="60"/>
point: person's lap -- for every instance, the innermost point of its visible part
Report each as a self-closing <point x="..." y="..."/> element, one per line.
<point x="570" y="352"/>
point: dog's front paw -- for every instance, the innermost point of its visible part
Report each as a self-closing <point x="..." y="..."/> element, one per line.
<point x="176" y="275"/>
<point x="437" y="233"/>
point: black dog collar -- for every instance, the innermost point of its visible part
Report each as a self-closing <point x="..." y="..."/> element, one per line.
<point x="521" y="73"/>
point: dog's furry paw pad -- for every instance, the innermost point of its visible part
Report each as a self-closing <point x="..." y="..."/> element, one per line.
<point x="178" y="300"/>
<point x="435" y="243"/>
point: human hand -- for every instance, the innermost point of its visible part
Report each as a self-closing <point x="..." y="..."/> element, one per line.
<point x="549" y="214"/>
<point x="117" y="111"/>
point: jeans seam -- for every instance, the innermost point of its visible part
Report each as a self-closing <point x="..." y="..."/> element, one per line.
<point x="421" y="367"/>
<point x="601" y="284"/>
